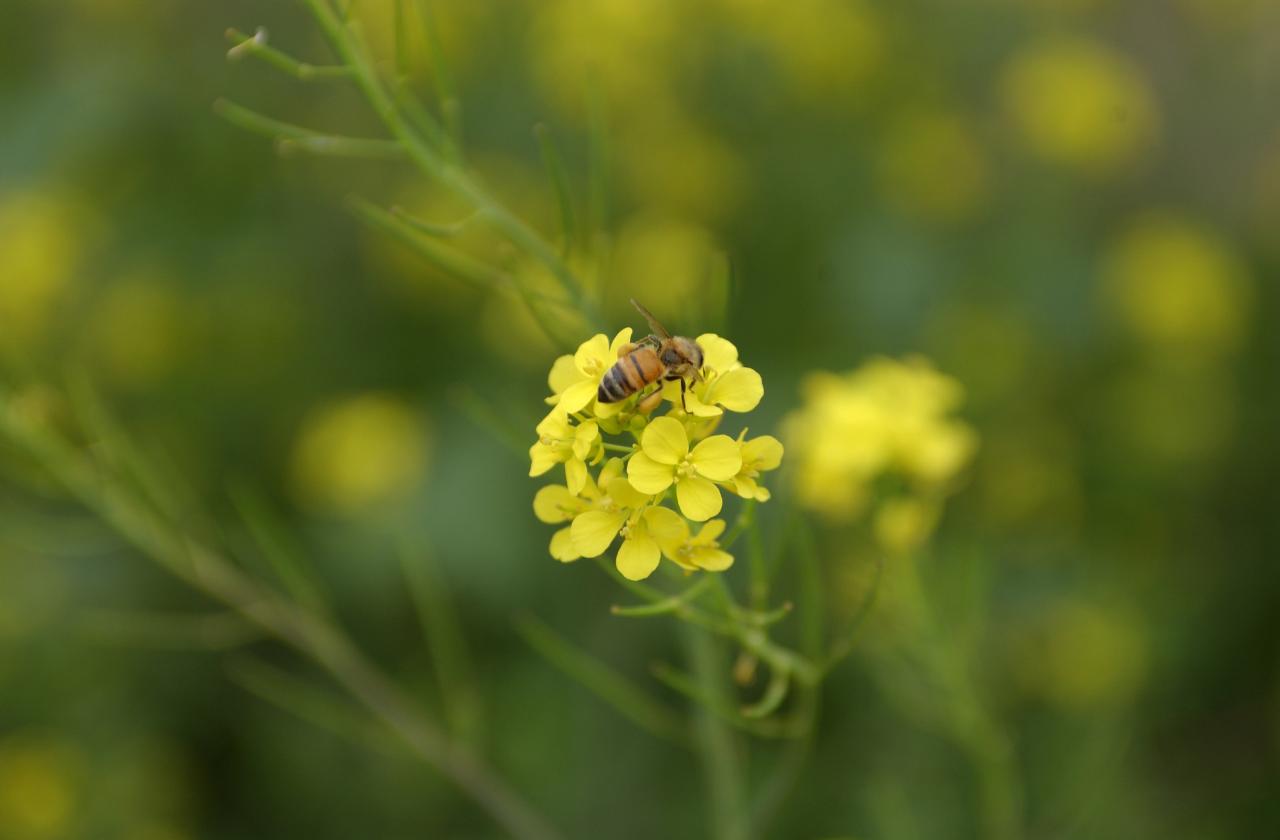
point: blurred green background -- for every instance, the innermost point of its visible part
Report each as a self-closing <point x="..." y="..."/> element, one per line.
<point x="1069" y="205"/>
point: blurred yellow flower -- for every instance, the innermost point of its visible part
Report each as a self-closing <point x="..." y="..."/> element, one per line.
<point x="1080" y="103"/>
<point x="673" y="165"/>
<point x="904" y="524"/>
<point x="676" y="267"/>
<point x="137" y="329"/>
<point x="933" y="167"/>
<point x="665" y="459"/>
<point x="1081" y="655"/>
<point x="825" y="48"/>
<point x="885" y="417"/>
<point x="359" y="452"/>
<point x="1177" y="285"/>
<point x="41" y="238"/>
<point x="37" y="787"/>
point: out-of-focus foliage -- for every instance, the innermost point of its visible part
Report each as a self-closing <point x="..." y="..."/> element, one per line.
<point x="1069" y="206"/>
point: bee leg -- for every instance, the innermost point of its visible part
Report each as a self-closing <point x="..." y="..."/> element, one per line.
<point x="650" y="401"/>
<point x="684" y="407"/>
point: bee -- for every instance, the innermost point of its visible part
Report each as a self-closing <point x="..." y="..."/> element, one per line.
<point x="654" y="358"/>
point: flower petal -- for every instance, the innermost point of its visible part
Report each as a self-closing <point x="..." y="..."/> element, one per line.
<point x="713" y="559"/>
<point x="664" y="440"/>
<point x="563" y="374"/>
<point x="698" y="498"/>
<point x="578" y="395"/>
<point x="718" y="458"/>
<point x="623" y="337"/>
<point x="647" y="475"/>
<point x="740" y="389"/>
<point x="584" y="438"/>
<point x="621" y="491"/>
<point x="575" y="475"/>
<point x="555" y="503"/>
<point x="562" y="547"/>
<point x="667" y="527"/>
<point x="709" y="532"/>
<point x="542" y="458"/>
<point x="593" y="357"/>
<point x="762" y="453"/>
<point x="594" y="530"/>
<point x="695" y="406"/>
<point x="718" y="353"/>
<point x="638" y="557"/>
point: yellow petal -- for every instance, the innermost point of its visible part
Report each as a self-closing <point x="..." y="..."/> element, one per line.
<point x="562" y="547"/>
<point x="762" y="453"/>
<point x="575" y="475"/>
<point x="762" y="494"/>
<point x="621" y="491"/>
<point x="718" y="353"/>
<point x="555" y="424"/>
<point x="710" y="532"/>
<point x="604" y="410"/>
<point x="745" y="486"/>
<point x="620" y="339"/>
<point x="563" y="374"/>
<point x="554" y="503"/>
<point x="612" y="469"/>
<point x="698" y="498"/>
<point x="578" y="395"/>
<point x="594" y="530"/>
<point x="695" y="406"/>
<point x="584" y="438"/>
<point x="737" y="390"/>
<point x="638" y="557"/>
<point x="667" y="527"/>
<point x="647" y="475"/>
<point x="542" y="458"/>
<point x="593" y="357"/>
<point x="665" y="441"/>
<point x="719" y="458"/>
<point x="713" y="559"/>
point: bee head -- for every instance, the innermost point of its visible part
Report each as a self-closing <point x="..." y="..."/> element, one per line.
<point x="681" y="352"/>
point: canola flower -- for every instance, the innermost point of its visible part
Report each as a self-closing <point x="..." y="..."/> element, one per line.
<point x="888" y="418"/>
<point x="657" y="472"/>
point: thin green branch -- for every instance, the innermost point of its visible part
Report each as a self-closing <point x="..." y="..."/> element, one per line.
<point x="170" y="631"/>
<point x="276" y="548"/>
<point x="775" y="692"/>
<point x="256" y="46"/>
<point x="626" y="698"/>
<point x="311" y="635"/>
<point x="554" y="163"/>
<point x="667" y="605"/>
<point x="844" y="645"/>
<point x="290" y="137"/>
<point x="442" y="634"/>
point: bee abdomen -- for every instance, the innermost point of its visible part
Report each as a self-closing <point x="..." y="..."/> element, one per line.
<point x="628" y="375"/>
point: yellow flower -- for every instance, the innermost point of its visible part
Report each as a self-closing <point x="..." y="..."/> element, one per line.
<point x="560" y="442"/>
<point x="358" y="453"/>
<point x="665" y="459"/>
<point x="690" y="552"/>
<point x="554" y="504"/>
<point x="758" y="455"/>
<point x="726" y="383"/>
<point x="575" y="379"/>
<point x="620" y="509"/>
<point x="887" y="417"/>
<point x="1080" y="103"/>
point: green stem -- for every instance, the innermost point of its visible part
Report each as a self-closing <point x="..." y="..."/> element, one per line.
<point x="725" y="777"/>
<point x="256" y="45"/>
<point x="290" y="136"/>
<point x="350" y="49"/>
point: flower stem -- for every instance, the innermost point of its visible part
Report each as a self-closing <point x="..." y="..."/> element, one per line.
<point x="715" y="742"/>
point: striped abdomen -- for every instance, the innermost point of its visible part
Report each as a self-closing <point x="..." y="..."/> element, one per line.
<point x="629" y="374"/>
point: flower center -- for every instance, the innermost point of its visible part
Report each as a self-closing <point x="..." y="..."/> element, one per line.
<point x="685" y="468"/>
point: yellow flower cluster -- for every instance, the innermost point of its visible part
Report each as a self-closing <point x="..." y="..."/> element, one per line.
<point x="672" y="456"/>
<point x="887" y="418"/>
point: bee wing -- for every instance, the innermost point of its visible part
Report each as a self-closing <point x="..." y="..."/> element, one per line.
<point x="653" y="322"/>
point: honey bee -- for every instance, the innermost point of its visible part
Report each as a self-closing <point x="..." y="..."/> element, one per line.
<point x="654" y="358"/>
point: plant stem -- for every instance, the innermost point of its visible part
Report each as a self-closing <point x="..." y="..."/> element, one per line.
<point x="715" y="741"/>
<point x="316" y="638"/>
